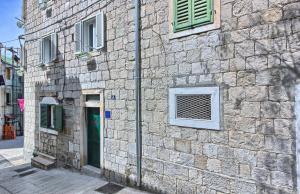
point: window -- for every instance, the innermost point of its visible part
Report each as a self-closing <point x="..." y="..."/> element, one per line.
<point x="51" y="116"/>
<point x="8" y="98"/>
<point x="42" y="3"/>
<point x="89" y="34"/>
<point x="195" y="107"/>
<point x="189" y="17"/>
<point x="48" y="49"/>
<point x="192" y="13"/>
<point x="8" y="73"/>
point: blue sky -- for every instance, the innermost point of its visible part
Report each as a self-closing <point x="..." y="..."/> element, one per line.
<point x="9" y="9"/>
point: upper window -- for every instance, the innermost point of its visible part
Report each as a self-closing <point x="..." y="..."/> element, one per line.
<point x="48" y="49"/>
<point x="192" y="13"/>
<point x="89" y="34"/>
<point x="42" y="3"/>
<point x="8" y="98"/>
<point x="189" y="17"/>
<point x="8" y="73"/>
<point x="195" y="107"/>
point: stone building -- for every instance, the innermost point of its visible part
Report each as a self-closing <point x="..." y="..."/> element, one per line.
<point x="218" y="97"/>
<point x="11" y="89"/>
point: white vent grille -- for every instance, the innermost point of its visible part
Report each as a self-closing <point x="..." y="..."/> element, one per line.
<point x="197" y="107"/>
<point x="193" y="106"/>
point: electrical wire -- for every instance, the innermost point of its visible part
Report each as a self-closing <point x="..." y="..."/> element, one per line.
<point x="9" y="41"/>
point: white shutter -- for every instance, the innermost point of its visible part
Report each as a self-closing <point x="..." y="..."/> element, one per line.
<point x="78" y="37"/>
<point x="23" y="57"/>
<point x="53" y="47"/>
<point x="100" y="30"/>
<point x="41" y="53"/>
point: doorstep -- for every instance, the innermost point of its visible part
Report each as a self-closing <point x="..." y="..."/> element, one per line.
<point x="91" y="171"/>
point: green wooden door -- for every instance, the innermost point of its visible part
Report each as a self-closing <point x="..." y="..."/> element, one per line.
<point x="93" y="126"/>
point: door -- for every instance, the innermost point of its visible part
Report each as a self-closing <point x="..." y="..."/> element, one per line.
<point x="93" y="136"/>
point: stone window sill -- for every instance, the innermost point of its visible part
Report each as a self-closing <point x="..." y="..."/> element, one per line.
<point x="50" y="131"/>
<point x="197" y="30"/>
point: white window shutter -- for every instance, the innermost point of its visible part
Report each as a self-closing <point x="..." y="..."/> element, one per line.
<point x="23" y="55"/>
<point x="41" y="53"/>
<point x="78" y="36"/>
<point x="53" y="47"/>
<point x="100" y="30"/>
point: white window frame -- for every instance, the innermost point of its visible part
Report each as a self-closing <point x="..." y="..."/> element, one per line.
<point x="43" y="3"/>
<point x="99" y="30"/>
<point x="8" y="101"/>
<point x="214" y="123"/>
<point x="215" y="25"/>
<point x="53" y="51"/>
<point x="48" y="38"/>
<point x="85" y="37"/>
<point x="50" y="101"/>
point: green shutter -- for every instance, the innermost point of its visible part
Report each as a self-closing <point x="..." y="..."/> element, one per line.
<point x="58" y="117"/>
<point x="44" y="115"/>
<point x="182" y="14"/>
<point x="202" y="12"/>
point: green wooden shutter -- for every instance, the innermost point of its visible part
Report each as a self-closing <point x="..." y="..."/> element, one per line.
<point x="182" y="14"/>
<point x="58" y="117"/>
<point x="202" y="12"/>
<point x="44" y="115"/>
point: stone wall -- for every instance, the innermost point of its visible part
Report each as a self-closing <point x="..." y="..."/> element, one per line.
<point x="252" y="57"/>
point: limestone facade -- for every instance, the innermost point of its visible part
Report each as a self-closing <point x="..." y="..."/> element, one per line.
<point x="252" y="57"/>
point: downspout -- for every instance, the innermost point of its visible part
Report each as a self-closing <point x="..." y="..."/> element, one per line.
<point x="138" y="107"/>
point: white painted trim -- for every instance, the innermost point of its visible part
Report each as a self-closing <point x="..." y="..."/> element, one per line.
<point x="83" y="131"/>
<point x="93" y="104"/>
<point x="214" y="123"/>
<point x="297" y="112"/>
<point x="48" y="101"/>
<point x="215" y="25"/>
<point x="50" y="131"/>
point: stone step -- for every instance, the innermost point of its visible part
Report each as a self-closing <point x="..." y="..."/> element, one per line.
<point x="91" y="171"/>
<point x="42" y="163"/>
<point x="46" y="156"/>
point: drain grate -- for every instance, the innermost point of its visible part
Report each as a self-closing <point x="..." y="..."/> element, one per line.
<point x="109" y="188"/>
<point x="27" y="173"/>
<point x="23" y="169"/>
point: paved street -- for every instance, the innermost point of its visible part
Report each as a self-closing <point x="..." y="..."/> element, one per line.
<point x="16" y="177"/>
<point x="11" y="152"/>
<point x="26" y="180"/>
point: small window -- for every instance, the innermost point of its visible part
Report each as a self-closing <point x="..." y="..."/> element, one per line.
<point x="189" y="14"/>
<point x="195" y="107"/>
<point x="48" y="49"/>
<point x="89" y="34"/>
<point x="8" y="98"/>
<point x="51" y="116"/>
<point x="8" y="73"/>
<point x="42" y="3"/>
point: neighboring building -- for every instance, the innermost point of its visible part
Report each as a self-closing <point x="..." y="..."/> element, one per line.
<point x="218" y="91"/>
<point x="11" y="89"/>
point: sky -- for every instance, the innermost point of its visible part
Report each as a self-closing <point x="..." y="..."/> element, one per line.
<point x="9" y="9"/>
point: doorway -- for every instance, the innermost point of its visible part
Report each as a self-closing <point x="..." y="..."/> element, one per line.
<point x="92" y="125"/>
<point x="93" y="136"/>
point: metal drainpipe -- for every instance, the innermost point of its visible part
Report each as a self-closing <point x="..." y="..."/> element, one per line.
<point x="138" y="107"/>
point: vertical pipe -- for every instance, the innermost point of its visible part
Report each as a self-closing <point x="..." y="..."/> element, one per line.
<point x="138" y="92"/>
